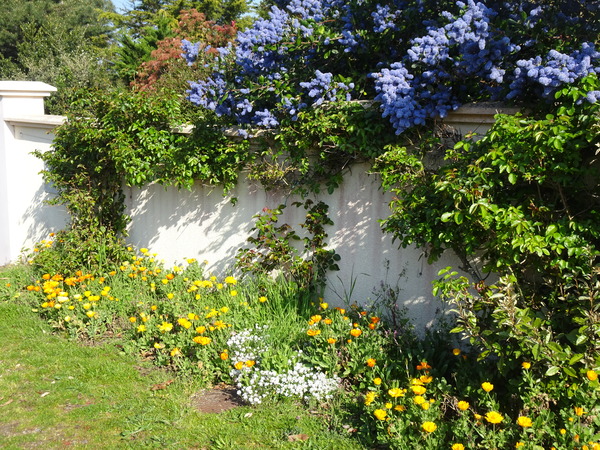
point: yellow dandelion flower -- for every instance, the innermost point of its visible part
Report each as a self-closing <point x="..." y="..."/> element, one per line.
<point x="91" y="314"/>
<point x="591" y="375"/>
<point x="230" y="280"/>
<point x="176" y="352"/>
<point x="399" y="408"/>
<point x="463" y="406"/>
<point x="524" y="421"/>
<point x="141" y="328"/>
<point x="185" y="323"/>
<point x="262" y="299"/>
<point x="487" y="387"/>
<point x="418" y="390"/>
<point x="370" y="397"/>
<point x="419" y="400"/>
<point x="380" y="414"/>
<point x="494" y="417"/>
<point x="396" y="392"/>
<point x="526" y="365"/>
<point x="458" y="447"/>
<point x="313" y="332"/>
<point x="239" y="365"/>
<point x="165" y="327"/>
<point x="429" y="427"/>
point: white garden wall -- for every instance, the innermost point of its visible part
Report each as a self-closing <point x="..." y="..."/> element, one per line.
<point x="202" y="224"/>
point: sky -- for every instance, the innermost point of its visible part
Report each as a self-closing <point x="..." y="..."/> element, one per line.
<point x="121" y="5"/>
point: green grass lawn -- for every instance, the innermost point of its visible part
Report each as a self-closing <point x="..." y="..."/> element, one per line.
<point x="58" y="393"/>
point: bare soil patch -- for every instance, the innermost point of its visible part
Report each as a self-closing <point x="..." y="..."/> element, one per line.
<point x="216" y="400"/>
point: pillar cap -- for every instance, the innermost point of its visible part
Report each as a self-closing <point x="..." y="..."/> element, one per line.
<point x="25" y="89"/>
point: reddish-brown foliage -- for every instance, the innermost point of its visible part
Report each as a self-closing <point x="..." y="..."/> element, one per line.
<point x="167" y="59"/>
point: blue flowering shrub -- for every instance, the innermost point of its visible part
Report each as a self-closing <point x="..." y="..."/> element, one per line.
<point x="419" y="59"/>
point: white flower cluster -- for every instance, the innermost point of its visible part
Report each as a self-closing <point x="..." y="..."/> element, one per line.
<point x="247" y="345"/>
<point x="300" y="381"/>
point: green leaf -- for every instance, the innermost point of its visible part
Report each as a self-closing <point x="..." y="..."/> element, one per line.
<point x="552" y="370"/>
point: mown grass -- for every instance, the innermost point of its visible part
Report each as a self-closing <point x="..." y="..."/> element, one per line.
<point x="56" y="392"/>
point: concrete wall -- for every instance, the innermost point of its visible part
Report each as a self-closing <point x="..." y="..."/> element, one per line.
<point x="24" y="217"/>
<point x="202" y="224"/>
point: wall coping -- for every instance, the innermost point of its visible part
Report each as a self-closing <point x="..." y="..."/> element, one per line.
<point x="37" y="121"/>
<point x="25" y="89"/>
<point x="483" y="112"/>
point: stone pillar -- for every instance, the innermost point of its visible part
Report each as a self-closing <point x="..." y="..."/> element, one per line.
<point x="18" y="100"/>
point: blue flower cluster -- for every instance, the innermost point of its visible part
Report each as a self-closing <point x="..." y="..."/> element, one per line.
<point x="308" y="52"/>
<point x="464" y="47"/>
<point x="553" y="71"/>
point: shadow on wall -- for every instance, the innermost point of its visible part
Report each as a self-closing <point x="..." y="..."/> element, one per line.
<point x="204" y="224"/>
<point x="40" y="218"/>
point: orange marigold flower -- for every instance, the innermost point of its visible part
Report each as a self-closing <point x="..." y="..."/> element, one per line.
<point x="371" y="362"/>
<point x="423" y="366"/>
<point x="591" y="375"/>
<point x="313" y="332"/>
<point x="356" y="332"/>
<point x="331" y="340"/>
<point x="526" y="365"/>
<point x="458" y="447"/>
<point x="224" y="355"/>
<point x="202" y="340"/>
<point x="579" y="411"/>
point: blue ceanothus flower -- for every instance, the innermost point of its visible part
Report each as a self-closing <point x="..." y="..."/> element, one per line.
<point x="307" y="52"/>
